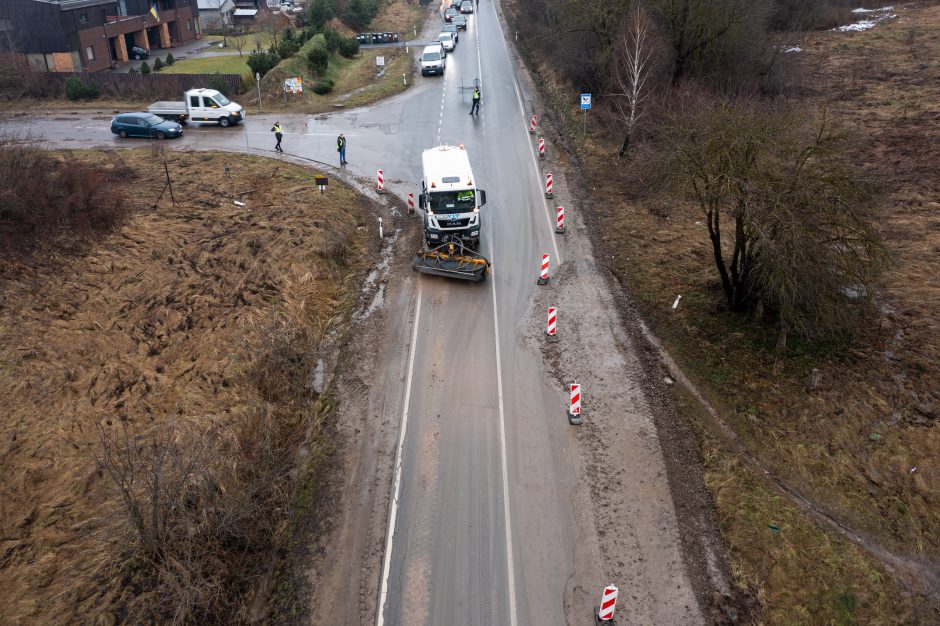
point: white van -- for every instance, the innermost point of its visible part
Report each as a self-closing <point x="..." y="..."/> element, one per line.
<point x="432" y="60"/>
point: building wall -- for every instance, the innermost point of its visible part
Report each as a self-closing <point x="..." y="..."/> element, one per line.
<point x="94" y="49"/>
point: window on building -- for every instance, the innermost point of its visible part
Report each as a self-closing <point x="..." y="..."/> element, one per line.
<point x="83" y="18"/>
<point x="90" y="53"/>
<point x="189" y="24"/>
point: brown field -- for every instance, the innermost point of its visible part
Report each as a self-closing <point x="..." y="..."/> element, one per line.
<point x="162" y="321"/>
<point x="863" y="446"/>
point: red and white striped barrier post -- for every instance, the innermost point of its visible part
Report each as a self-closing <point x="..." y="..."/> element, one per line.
<point x="608" y="603"/>
<point x="574" y="407"/>
<point x="535" y="119"/>
<point x="560" y="220"/>
<point x="543" y="273"/>
<point x="551" y="329"/>
<point x="541" y="148"/>
<point x="379" y="182"/>
<point x="548" y="186"/>
<point x="411" y="203"/>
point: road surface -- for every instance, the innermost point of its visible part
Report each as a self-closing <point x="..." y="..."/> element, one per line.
<point x="490" y="519"/>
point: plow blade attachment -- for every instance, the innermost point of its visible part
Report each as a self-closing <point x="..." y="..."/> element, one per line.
<point x="452" y="260"/>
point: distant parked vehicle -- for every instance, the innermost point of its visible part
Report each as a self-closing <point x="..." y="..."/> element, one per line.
<point x="144" y="125"/>
<point x="466" y="6"/>
<point x="201" y="105"/>
<point x="461" y="22"/>
<point x="139" y="53"/>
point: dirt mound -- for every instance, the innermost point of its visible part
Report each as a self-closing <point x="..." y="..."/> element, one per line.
<point x="155" y="323"/>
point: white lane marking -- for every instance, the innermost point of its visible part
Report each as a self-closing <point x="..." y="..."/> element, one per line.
<point x="504" y="465"/>
<point x="396" y="488"/>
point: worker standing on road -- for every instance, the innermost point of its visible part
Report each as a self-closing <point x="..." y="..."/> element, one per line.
<point x="476" y="101"/>
<point x="341" y="148"/>
<point x="278" y="134"/>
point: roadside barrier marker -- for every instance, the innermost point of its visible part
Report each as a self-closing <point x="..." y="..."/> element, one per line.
<point x="551" y="329"/>
<point x="411" y="203"/>
<point x="543" y="274"/>
<point x="548" y="186"/>
<point x="380" y="182"/>
<point x="535" y="119"/>
<point x="560" y="220"/>
<point x="541" y="148"/>
<point x="608" y="603"/>
<point x="574" y="407"/>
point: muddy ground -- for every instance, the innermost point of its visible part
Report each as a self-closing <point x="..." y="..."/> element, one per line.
<point x="154" y="323"/>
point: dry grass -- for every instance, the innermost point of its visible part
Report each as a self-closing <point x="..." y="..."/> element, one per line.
<point x="853" y="445"/>
<point x="400" y="16"/>
<point x="168" y="320"/>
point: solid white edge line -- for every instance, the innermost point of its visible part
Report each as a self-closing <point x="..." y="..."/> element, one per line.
<point x="396" y="488"/>
<point x="504" y="464"/>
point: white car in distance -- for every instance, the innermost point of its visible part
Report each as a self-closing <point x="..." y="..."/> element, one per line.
<point x="447" y="41"/>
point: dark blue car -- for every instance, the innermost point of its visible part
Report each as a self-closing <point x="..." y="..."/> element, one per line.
<point x="144" y="125"/>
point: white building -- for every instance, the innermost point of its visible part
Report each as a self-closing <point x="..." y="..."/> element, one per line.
<point x="213" y="14"/>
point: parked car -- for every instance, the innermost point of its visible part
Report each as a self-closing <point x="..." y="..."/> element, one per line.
<point x="447" y="41"/>
<point x="138" y="53"/>
<point x="466" y="6"/>
<point x="452" y="28"/>
<point x="460" y="21"/>
<point x="450" y="14"/>
<point x="432" y="60"/>
<point x="144" y="125"/>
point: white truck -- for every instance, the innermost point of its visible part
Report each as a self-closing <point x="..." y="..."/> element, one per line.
<point x="200" y="105"/>
<point x="450" y="198"/>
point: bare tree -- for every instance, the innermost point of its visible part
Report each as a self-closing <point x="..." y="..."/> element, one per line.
<point x="632" y="70"/>
<point x="238" y="41"/>
<point x="802" y="243"/>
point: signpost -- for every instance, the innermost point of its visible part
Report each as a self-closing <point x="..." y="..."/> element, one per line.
<point x="380" y="61"/>
<point x="258" y="83"/>
<point x="585" y="105"/>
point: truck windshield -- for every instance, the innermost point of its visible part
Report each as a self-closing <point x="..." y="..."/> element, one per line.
<point x="431" y="56"/>
<point x="453" y="202"/>
<point x="222" y="100"/>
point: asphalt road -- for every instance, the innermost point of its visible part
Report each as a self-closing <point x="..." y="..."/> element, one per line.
<point x="482" y="524"/>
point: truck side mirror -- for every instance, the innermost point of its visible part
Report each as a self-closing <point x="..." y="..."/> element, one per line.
<point x="482" y="197"/>
<point x="422" y="199"/>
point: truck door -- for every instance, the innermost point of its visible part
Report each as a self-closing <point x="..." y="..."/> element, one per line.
<point x="211" y="108"/>
<point x="195" y="110"/>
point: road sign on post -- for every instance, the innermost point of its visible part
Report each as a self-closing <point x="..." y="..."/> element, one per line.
<point x="585" y="105"/>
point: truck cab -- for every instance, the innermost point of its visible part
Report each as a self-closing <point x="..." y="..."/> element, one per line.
<point x="450" y="199"/>
<point x="209" y="105"/>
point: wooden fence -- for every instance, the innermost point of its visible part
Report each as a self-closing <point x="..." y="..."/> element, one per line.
<point x="153" y="86"/>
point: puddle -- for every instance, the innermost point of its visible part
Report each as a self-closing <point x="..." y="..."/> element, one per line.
<point x="319" y="376"/>
<point x="376" y="303"/>
<point x="377" y="275"/>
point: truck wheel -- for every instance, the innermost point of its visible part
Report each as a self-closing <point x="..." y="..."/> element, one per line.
<point x="224" y="122"/>
<point x="122" y="134"/>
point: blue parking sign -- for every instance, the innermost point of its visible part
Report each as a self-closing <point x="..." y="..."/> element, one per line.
<point x="585" y="101"/>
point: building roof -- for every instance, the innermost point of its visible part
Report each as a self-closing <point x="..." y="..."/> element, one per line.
<point x="68" y="5"/>
<point x="245" y="12"/>
<point x="212" y="5"/>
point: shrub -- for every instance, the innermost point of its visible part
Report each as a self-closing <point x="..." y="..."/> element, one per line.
<point x="319" y="12"/>
<point x="262" y="62"/>
<point x="333" y="40"/>
<point x="248" y="82"/>
<point x="323" y="86"/>
<point x="157" y="64"/>
<point x="77" y="89"/>
<point x="287" y="48"/>
<point x="133" y="70"/>
<point x="169" y="59"/>
<point x="144" y="68"/>
<point x="217" y="82"/>
<point x="317" y="60"/>
<point x="349" y="47"/>
<point x="359" y="13"/>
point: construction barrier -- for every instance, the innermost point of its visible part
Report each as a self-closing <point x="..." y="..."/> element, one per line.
<point x="543" y="273"/>
<point x="541" y="148"/>
<point x="560" y="220"/>
<point x="535" y="119"/>
<point x="574" y="405"/>
<point x="548" y="186"/>
<point x="380" y="182"/>
<point x="608" y="604"/>
<point x="551" y="329"/>
<point x="411" y="203"/>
